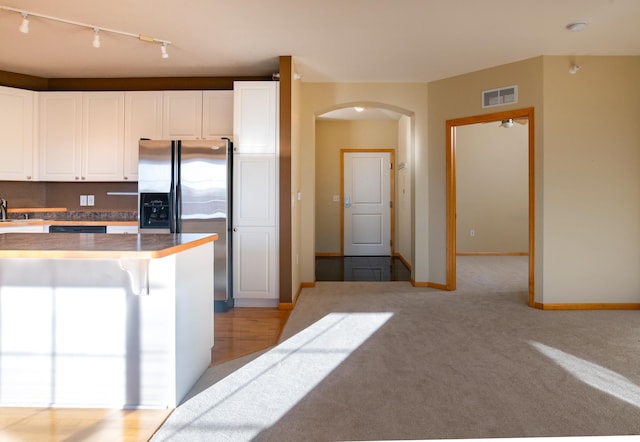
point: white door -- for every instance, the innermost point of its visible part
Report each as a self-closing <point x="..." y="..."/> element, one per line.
<point x="367" y="200"/>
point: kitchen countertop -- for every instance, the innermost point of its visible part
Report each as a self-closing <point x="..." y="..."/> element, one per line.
<point x="98" y="245"/>
<point x="51" y="222"/>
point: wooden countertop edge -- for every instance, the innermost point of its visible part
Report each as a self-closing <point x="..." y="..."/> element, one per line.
<point x="51" y="222"/>
<point x="108" y="254"/>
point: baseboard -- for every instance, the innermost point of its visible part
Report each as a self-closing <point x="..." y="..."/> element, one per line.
<point x="331" y="254"/>
<point x="431" y="285"/>
<point x="255" y="302"/>
<point x="492" y="254"/>
<point x="592" y="306"/>
<point x="404" y="261"/>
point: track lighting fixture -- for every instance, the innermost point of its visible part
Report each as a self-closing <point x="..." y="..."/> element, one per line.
<point x="24" y="28"/>
<point x="96" y="38"/>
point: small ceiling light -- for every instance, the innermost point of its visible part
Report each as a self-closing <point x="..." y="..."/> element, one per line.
<point x="507" y="123"/>
<point x="96" y="38"/>
<point x="24" y="27"/>
<point x="574" y="68"/>
<point x="577" y="26"/>
<point x="358" y="109"/>
<point x="163" y="50"/>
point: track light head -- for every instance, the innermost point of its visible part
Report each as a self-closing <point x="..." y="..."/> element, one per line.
<point x="96" y="38"/>
<point x="24" y="26"/>
<point x="163" y="50"/>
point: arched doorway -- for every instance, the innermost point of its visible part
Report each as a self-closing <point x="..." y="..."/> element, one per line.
<point x="361" y="126"/>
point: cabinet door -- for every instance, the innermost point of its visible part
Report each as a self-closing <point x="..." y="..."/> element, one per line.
<point x="60" y="136"/>
<point x="254" y="264"/>
<point x="255" y="118"/>
<point x="254" y="190"/>
<point x="182" y="115"/>
<point x="143" y="119"/>
<point x="16" y="129"/>
<point x="102" y="136"/>
<point x="23" y="229"/>
<point x="217" y="114"/>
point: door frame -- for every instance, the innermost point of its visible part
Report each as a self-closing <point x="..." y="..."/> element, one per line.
<point x="451" y="189"/>
<point x="392" y="191"/>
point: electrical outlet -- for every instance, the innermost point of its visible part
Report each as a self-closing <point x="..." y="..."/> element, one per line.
<point x="472" y="233"/>
<point x="91" y="200"/>
<point x="83" y="200"/>
<point x="336" y="198"/>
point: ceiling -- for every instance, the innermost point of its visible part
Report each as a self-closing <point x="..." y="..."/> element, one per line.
<point x="330" y="40"/>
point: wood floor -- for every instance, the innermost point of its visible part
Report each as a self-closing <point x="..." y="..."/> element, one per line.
<point x="238" y="332"/>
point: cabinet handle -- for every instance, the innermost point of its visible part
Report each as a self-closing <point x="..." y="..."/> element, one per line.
<point x="29" y="177"/>
<point x="82" y="178"/>
<point x="126" y="178"/>
<point x="235" y="229"/>
<point x="77" y="178"/>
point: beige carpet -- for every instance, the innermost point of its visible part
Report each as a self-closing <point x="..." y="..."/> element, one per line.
<point x="474" y="363"/>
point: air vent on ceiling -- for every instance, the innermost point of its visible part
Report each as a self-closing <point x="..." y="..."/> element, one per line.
<point x="500" y="96"/>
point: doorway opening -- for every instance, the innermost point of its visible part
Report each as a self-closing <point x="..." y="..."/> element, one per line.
<point x="508" y="117"/>
<point x="362" y="127"/>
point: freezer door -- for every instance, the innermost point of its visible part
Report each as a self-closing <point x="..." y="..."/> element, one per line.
<point x="154" y="166"/>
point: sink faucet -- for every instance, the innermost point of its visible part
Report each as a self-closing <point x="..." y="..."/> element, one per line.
<point x="3" y="208"/>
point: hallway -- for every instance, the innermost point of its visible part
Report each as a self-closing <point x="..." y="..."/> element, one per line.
<point x="361" y="268"/>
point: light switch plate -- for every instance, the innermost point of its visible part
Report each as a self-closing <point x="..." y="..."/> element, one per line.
<point x="91" y="200"/>
<point x="83" y="200"/>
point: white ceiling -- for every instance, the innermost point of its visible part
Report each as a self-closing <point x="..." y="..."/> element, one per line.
<point x="330" y="40"/>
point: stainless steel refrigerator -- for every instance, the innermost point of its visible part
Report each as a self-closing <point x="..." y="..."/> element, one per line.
<point x="184" y="186"/>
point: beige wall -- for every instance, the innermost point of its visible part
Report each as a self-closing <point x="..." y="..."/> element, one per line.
<point x="331" y="136"/>
<point x="587" y="180"/>
<point x="591" y="187"/>
<point x="409" y="99"/>
<point x="460" y="97"/>
<point x="492" y="188"/>
<point x="404" y="195"/>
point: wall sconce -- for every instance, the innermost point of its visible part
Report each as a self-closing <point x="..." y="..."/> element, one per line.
<point x="574" y="68"/>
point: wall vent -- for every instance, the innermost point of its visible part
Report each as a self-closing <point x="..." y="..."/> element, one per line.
<point x="500" y="96"/>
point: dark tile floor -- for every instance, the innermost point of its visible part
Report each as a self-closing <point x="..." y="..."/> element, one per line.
<point x="361" y="268"/>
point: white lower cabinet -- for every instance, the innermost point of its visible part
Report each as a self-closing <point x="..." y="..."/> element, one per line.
<point x="24" y="229"/>
<point x="122" y="229"/>
<point x="254" y="267"/>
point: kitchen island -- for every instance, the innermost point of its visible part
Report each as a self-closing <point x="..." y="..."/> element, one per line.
<point x="98" y="320"/>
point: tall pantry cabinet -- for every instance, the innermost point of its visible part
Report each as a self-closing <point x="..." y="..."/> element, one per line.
<point x="255" y="197"/>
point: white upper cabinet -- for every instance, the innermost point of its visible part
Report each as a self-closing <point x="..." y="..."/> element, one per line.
<point x="143" y="119"/>
<point x="195" y="115"/>
<point x="60" y="136"/>
<point x="16" y="129"/>
<point x="217" y="114"/>
<point x="182" y="116"/>
<point x="102" y="136"/>
<point x="255" y="120"/>
<point x="81" y="136"/>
